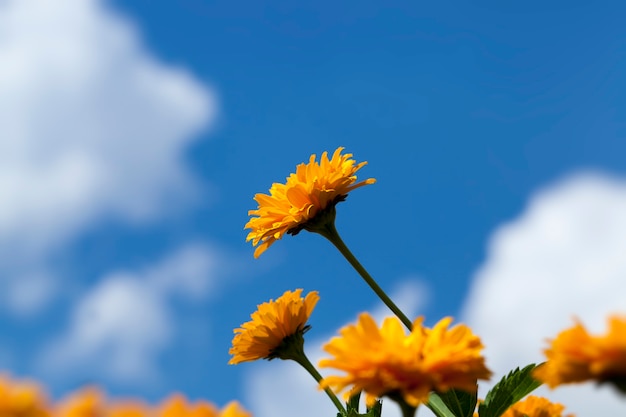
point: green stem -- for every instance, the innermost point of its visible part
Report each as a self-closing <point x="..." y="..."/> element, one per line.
<point x="306" y="364"/>
<point x="407" y="410"/>
<point x="329" y="231"/>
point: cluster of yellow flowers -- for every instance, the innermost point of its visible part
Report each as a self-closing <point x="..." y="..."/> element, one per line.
<point x="28" y="399"/>
<point x="401" y="359"/>
<point x="386" y="361"/>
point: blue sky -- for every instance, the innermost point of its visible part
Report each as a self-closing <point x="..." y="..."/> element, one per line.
<point x="137" y="132"/>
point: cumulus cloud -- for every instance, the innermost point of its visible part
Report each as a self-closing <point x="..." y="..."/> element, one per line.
<point x="563" y="257"/>
<point x="120" y="326"/>
<point x="293" y="392"/>
<point x="93" y="127"/>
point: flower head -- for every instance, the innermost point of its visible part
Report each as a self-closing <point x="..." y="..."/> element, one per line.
<point x="385" y="361"/>
<point x="312" y="189"/>
<point x="276" y="328"/>
<point x="21" y="399"/>
<point x="534" y="406"/>
<point x="576" y="356"/>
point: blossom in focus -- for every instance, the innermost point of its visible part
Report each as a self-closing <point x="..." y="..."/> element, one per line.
<point x="274" y="327"/>
<point x="576" y="356"/>
<point x="534" y="406"/>
<point x="383" y="361"/>
<point x="22" y="399"/>
<point x="314" y="187"/>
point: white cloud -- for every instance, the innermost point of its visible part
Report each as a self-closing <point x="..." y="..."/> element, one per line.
<point x="562" y="258"/>
<point x="293" y="392"/>
<point x="120" y="326"/>
<point x="93" y="127"/>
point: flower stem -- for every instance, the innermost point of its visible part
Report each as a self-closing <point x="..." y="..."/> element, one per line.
<point x="306" y="364"/>
<point x="407" y="410"/>
<point x="329" y="231"/>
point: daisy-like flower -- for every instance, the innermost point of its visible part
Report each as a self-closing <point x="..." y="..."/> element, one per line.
<point x="307" y="195"/>
<point x="22" y="399"/>
<point x="275" y="330"/>
<point x="386" y="361"/>
<point x="576" y="356"/>
<point x="534" y="406"/>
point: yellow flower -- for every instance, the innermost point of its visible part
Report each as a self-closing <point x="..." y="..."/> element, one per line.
<point x="385" y="361"/>
<point x="576" y="356"/>
<point x="308" y="192"/>
<point x="127" y="408"/>
<point x="177" y="406"/>
<point x="534" y="406"/>
<point x="21" y="399"/>
<point x="275" y="329"/>
<point x="88" y="402"/>
<point x="233" y="409"/>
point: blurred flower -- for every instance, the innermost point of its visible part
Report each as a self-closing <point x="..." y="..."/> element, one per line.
<point x="275" y="330"/>
<point x="314" y="188"/>
<point x="386" y="361"/>
<point x="234" y="409"/>
<point x="21" y="399"/>
<point x="534" y="406"/>
<point x="128" y="408"/>
<point x="576" y="356"/>
<point x="177" y="406"/>
<point x="88" y="402"/>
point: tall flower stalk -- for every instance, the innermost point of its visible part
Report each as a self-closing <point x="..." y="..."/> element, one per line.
<point x="324" y="224"/>
<point x="306" y="201"/>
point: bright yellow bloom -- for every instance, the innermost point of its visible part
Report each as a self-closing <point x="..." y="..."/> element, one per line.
<point x="577" y="356"/>
<point x="534" y="406"/>
<point x="385" y="360"/>
<point x="270" y="332"/>
<point x="313" y="188"/>
<point x="21" y="399"/>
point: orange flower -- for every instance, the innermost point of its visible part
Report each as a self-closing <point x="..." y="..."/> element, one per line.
<point x="274" y="326"/>
<point x="534" y="406"/>
<point x="88" y="402"/>
<point x="128" y="408"/>
<point x="384" y="361"/>
<point x="177" y="406"/>
<point x="312" y="189"/>
<point x="576" y="356"/>
<point x="234" y="409"/>
<point x="21" y="399"/>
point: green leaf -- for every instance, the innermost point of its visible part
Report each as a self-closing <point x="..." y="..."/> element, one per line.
<point x="352" y="408"/>
<point x="452" y="403"/>
<point x="512" y="388"/>
<point x="437" y="405"/>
